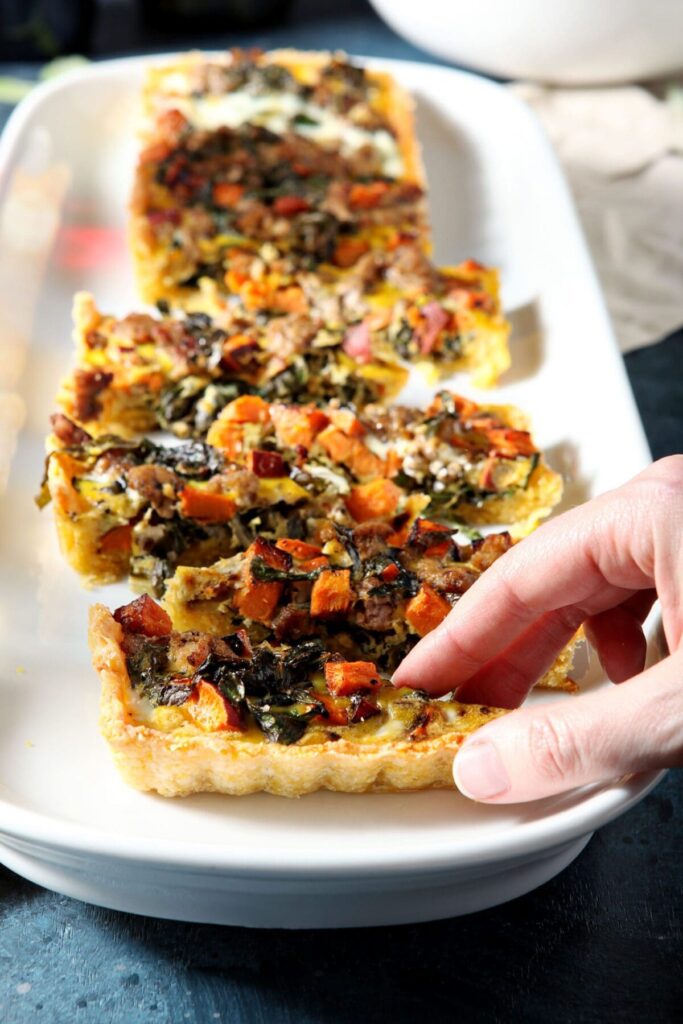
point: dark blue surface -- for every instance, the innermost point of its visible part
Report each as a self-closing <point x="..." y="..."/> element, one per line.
<point x="602" y="942"/>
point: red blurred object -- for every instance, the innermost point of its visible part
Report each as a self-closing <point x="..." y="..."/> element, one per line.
<point x="79" y="248"/>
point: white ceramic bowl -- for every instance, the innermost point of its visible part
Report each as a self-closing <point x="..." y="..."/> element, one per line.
<point x="575" y="42"/>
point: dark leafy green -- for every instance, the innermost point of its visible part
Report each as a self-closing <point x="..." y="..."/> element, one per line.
<point x="405" y="583"/>
<point x="269" y="686"/>
<point x="283" y="725"/>
<point x="268" y="574"/>
<point x="147" y="664"/>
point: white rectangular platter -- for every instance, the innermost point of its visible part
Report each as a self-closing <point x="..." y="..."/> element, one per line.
<point x="66" y="819"/>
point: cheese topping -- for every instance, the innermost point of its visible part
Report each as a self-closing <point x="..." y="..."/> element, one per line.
<point x="281" y="112"/>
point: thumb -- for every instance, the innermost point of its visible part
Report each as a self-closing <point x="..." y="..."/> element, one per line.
<point x="535" y="752"/>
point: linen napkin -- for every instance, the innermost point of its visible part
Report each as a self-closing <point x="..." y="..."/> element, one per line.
<point x="622" y="151"/>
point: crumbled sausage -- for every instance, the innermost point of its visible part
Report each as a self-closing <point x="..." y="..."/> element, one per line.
<point x="491" y="548"/>
<point x="157" y="485"/>
<point x="88" y="385"/>
<point x="371" y="538"/>
<point x="292" y="623"/>
<point x="68" y="432"/>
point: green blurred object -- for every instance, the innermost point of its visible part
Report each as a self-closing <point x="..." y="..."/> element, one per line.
<point x="13" y="89"/>
<point x="43" y="29"/>
<point x="212" y="14"/>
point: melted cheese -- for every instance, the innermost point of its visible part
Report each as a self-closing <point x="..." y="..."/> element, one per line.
<point x="276" y="112"/>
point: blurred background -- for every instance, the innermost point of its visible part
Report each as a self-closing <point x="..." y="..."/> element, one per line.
<point x="41" y="30"/>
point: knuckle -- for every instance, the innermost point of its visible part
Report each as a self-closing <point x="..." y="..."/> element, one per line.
<point x="667" y="475"/>
<point x="554" y="748"/>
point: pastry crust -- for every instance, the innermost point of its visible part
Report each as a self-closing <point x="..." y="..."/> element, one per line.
<point x="178" y="765"/>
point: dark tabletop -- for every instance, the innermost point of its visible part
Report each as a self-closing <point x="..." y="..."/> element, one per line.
<point x="601" y="942"/>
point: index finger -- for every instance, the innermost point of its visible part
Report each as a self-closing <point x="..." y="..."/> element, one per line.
<point x="585" y="560"/>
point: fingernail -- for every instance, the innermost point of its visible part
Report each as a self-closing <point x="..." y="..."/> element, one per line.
<point x="479" y="772"/>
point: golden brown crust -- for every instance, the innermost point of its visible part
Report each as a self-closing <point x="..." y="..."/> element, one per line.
<point x="78" y="524"/>
<point x="177" y="765"/>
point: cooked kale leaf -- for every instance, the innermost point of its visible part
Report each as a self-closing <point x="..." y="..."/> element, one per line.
<point x="267" y="574"/>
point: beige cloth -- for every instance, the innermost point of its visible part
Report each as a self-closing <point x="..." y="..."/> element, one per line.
<point x="622" y="150"/>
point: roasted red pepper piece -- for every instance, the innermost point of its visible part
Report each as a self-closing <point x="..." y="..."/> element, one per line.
<point x="266" y="464"/>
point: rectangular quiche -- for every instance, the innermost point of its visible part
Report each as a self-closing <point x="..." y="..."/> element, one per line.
<point x="275" y="470"/>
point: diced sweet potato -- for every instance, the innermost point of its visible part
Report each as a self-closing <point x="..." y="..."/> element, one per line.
<point x="144" y="616"/>
<point x="426" y="610"/>
<point x="438" y="550"/>
<point x="255" y="599"/>
<point x="375" y="500"/>
<point x="346" y="420"/>
<point x="298" y="548"/>
<point x="346" y="677"/>
<point x="310" y="564"/>
<point x="288" y="300"/>
<point x="464" y="407"/>
<point x="351" y="452"/>
<point x="365" y="196"/>
<point x="212" y="508"/>
<point x="266" y="464"/>
<point x="211" y="711"/>
<point x="365" y="709"/>
<point x="393" y="463"/>
<point x="297" y="425"/>
<point x="349" y="251"/>
<point x="331" y="593"/>
<point x="227" y="194"/>
<point x="247" y="409"/>
<point x="434" y="539"/>
<point x="389" y="573"/>
<point x="336" y="710"/>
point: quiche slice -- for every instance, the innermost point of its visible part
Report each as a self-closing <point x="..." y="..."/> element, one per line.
<point x="391" y="300"/>
<point x="188" y="712"/>
<point x="477" y="463"/>
<point x="292" y="159"/>
<point x="140" y="372"/>
<point x="272" y="470"/>
<point x="368" y="591"/>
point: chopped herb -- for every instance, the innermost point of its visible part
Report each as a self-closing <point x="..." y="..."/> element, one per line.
<point x="304" y="119"/>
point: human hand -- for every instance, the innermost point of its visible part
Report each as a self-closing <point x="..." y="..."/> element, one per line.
<point x="602" y="564"/>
